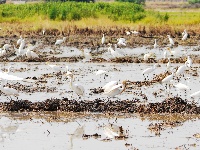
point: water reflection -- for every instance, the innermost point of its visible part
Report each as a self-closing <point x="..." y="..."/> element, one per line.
<point x="98" y="131"/>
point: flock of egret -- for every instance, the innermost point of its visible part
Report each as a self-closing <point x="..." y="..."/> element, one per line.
<point x="111" y="89"/>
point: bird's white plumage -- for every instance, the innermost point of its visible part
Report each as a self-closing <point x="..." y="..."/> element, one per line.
<point x="148" y="55"/>
<point x="121" y="41"/>
<point x="155" y="44"/>
<point x="99" y="72"/>
<point x="77" y="88"/>
<point x="189" y="62"/>
<point x="168" y="64"/>
<point x="182" y="86"/>
<point x="195" y="94"/>
<point x="8" y="91"/>
<point x="60" y="41"/>
<point x="31" y="54"/>
<point x="112" y="130"/>
<point x="185" y="35"/>
<point x="109" y="85"/>
<point x="149" y="70"/>
<point x="116" y="89"/>
<point x="19" y="40"/>
<point x="6" y="46"/>
<point x="181" y="69"/>
<point x="168" y="78"/>
<point x="171" y="41"/>
<point x="103" y="39"/>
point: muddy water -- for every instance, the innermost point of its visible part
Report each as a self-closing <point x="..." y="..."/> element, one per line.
<point x="85" y="75"/>
<point x="59" y="131"/>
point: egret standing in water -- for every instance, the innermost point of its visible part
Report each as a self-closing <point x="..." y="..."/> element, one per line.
<point x="189" y="62"/>
<point x="8" y="91"/>
<point x="109" y="85"/>
<point x="167" y="79"/>
<point x="60" y="41"/>
<point x="171" y="41"/>
<point x="77" y="88"/>
<point x="185" y="35"/>
<point x="149" y="70"/>
<point x="103" y="40"/>
<point x="168" y="64"/>
<point x="115" y="90"/>
<point x="155" y="45"/>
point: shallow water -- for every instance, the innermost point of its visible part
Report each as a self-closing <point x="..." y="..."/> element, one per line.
<point x="50" y="131"/>
<point x="85" y="75"/>
<point x="56" y="131"/>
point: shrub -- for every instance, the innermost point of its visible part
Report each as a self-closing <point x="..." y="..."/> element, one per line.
<point x="194" y="1"/>
<point x="53" y="13"/>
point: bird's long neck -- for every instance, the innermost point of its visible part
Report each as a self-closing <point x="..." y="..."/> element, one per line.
<point x="8" y="70"/>
<point x="71" y="82"/>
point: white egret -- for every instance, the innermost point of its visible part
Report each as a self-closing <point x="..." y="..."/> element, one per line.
<point x="99" y="72"/>
<point x="78" y="133"/>
<point x="2" y="52"/>
<point x="168" y="78"/>
<point x="55" y="67"/>
<point x="43" y="31"/>
<point x="68" y="72"/>
<point x="77" y="88"/>
<point x="8" y="91"/>
<point x="6" y="46"/>
<point x="165" y="54"/>
<point x="149" y="70"/>
<point x="113" y="52"/>
<point x="21" y="50"/>
<point x="109" y="85"/>
<point x="60" y="41"/>
<point x="185" y="35"/>
<point x="19" y="40"/>
<point x="155" y="44"/>
<point x="168" y="64"/>
<point x="171" y="41"/>
<point x="115" y="90"/>
<point x="181" y="69"/>
<point x="189" y="62"/>
<point x="103" y="40"/>
<point x="121" y="41"/>
<point x="6" y="76"/>
<point x="87" y="55"/>
<point x="195" y="94"/>
<point x="31" y="54"/>
<point x="112" y="131"/>
<point x="135" y="32"/>
<point x="128" y="33"/>
<point x="149" y="55"/>
<point x="182" y="86"/>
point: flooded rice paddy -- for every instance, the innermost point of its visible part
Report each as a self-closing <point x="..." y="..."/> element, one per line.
<point x="117" y="130"/>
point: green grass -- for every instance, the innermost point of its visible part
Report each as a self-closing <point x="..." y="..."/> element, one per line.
<point x="72" y="11"/>
<point x="93" y="15"/>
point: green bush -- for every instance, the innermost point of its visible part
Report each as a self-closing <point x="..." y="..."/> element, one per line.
<point x="194" y="1"/>
<point x="132" y="1"/>
<point x="53" y="13"/>
<point x="75" y="10"/>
